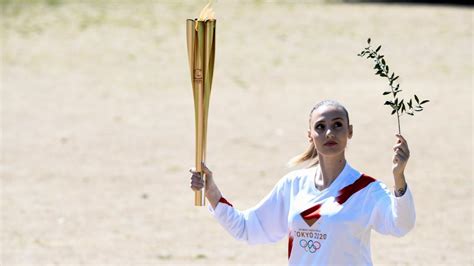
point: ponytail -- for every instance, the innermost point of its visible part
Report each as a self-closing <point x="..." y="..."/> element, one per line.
<point x="311" y="154"/>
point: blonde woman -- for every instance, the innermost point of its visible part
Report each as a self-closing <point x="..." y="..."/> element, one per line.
<point x="328" y="209"/>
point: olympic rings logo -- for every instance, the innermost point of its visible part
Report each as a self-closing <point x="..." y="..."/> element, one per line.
<point x="310" y="245"/>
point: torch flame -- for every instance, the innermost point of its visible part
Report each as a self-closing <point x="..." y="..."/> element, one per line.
<point x="207" y="13"/>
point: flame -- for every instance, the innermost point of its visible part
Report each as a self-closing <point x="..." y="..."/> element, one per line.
<point x="207" y="13"/>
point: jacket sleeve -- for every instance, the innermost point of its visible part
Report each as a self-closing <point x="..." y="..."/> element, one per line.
<point x="393" y="215"/>
<point x="267" y="222"/>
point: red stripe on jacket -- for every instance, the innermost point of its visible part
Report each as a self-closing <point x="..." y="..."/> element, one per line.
<point x="290" y="244"/>
<point x="312" y="214"/>
<point x="348" y="191"/>
<point x="223" y="200"/>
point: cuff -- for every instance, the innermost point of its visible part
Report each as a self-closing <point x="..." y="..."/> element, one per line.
<point x="221" y="200"/>
<point x="406" y="197"/>
<point x="400" y="194"/>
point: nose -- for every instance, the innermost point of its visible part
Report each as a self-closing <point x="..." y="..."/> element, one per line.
<point x="329" y="134"/>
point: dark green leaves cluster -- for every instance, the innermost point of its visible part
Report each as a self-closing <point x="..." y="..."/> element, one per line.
<point x="399" y="106"/>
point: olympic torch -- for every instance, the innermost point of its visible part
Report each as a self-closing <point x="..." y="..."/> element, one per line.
<point x="201" y="42"/>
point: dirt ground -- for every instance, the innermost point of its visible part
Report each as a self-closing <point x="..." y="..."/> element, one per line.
<point x="98" y="124"/>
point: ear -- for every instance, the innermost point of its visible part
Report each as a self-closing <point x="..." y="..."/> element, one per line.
<point x="309" y="136"/>
<point x="350" y="131"/>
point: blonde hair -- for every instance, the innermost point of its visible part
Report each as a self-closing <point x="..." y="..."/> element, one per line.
<point x="311" y="154"/>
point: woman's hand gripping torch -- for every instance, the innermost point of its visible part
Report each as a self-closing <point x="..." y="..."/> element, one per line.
<point x="201" y="42"/>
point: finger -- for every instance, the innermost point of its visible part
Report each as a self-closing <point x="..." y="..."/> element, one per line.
<point x="401" y="138"/>
<point x="196" y="176"/>
<point x="404" y="149"/>
<point x="196" y="184"/>
<point x="396" y="146"/>
<point x="399" y="158"/>
<point x="402" y="157"/>
<point x="196" y="188"/>
<point x="401" y="148"/>
<point x="403" y="153"/>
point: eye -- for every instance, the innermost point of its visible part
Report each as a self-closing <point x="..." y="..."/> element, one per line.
<point x="337" y="124"/>
<point x="319" y="127"/>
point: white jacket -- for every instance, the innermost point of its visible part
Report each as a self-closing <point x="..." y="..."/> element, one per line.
<point x="328" y="227"/>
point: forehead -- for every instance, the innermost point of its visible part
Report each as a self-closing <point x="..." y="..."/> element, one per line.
<point x="328" y="113"/>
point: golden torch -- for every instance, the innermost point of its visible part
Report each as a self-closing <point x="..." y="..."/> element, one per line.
<point x="200" y="34"/>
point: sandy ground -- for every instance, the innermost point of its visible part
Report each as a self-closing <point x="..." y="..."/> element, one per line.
<point x="98" y="125"/>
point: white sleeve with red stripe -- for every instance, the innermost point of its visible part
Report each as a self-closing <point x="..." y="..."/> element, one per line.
<point x="393" y="215"/>
<point x="265" y="223"/>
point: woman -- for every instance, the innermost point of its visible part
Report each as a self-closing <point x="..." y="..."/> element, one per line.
<point x="328" y="209"/>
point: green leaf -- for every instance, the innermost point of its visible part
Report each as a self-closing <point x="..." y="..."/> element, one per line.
<point x="410" y="104"/>
<point x="425" y="101"/>
<point x="378" y="48"/>
<point x="378" y="72"/>
<point x="395" y="78"/>
<point x="417" y="100"/>
<point x="368" y="40"/>
<point x="391" y="77"/>
<point x="388" y="103"/>
<point x="386" y="92"/>
<point x="410" y="113"/>
<point x="383" y="61"/>
<point x="394" y="111"/>
<point x="386" y="69"/>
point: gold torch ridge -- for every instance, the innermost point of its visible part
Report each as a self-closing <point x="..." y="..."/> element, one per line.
<point x="201" y="41"/>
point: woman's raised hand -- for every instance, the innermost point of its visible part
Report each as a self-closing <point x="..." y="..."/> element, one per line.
<point x="400" y="160"/>
<point x="401" y="156"/>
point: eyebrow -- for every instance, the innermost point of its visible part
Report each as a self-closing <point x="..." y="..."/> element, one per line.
<point x="337" y="118"/>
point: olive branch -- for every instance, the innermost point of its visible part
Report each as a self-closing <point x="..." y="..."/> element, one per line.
<point x="399" y="106"/>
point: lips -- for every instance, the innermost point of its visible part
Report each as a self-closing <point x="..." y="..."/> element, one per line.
<point x="330" y="143"/>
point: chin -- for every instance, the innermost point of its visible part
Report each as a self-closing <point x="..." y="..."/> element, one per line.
<point x="330" y="152"/>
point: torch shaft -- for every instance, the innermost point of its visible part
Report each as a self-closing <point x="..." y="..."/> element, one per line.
<point x="201" y="43"/>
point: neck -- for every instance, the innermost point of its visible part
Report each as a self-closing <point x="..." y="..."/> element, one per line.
<point x="330" y="168"/>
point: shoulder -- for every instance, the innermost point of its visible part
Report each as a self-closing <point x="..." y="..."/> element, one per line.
<point x="377" y="189"/>
<point x="298" y="174"/>
<point x="296" y="177"/>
